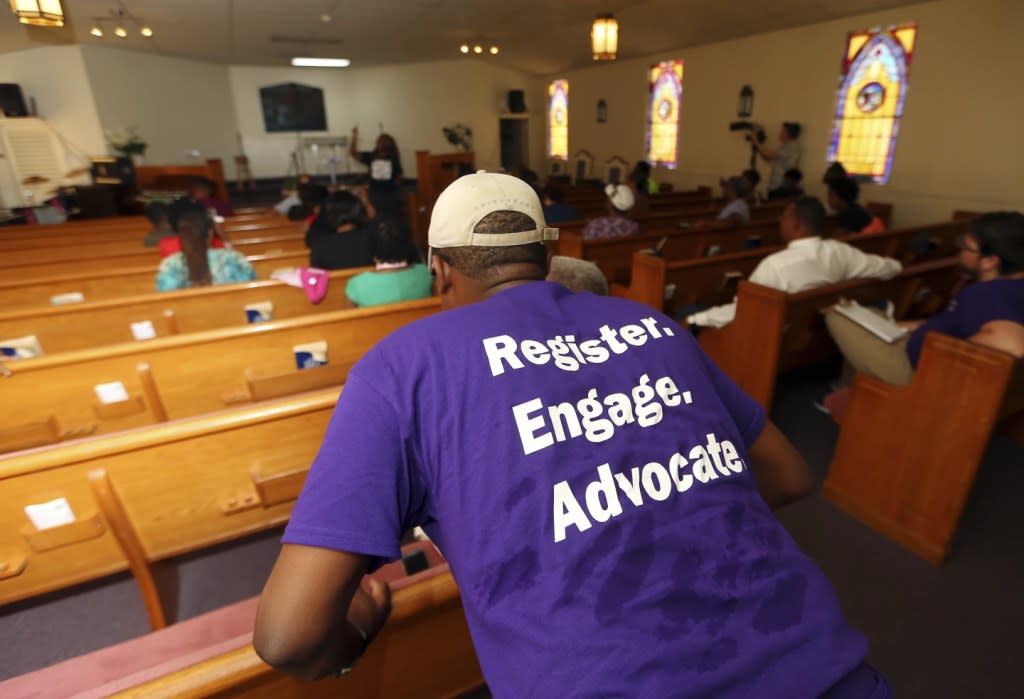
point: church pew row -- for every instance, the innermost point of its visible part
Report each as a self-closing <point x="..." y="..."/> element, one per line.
<point x="23" y="264"/>
<point x="97" y="323"/>
<point x="675" y="280"/>
<point x="426" y="636"/>
<point x="892" y="472"/>
<point x="128" y="281"/>
<point x="54" y="398"/>
<point x="112" y="230"/>
<point x="788" y="330"/>
<point x="181" y="486"/>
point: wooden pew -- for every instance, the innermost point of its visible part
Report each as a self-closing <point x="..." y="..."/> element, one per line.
<point x="132" y="231"/>
<point x="68" y="259"/>
<point x="96" y="286"/>
<point x="911" y="245"/>
<point x="97" y="323"/>
<point x="907" y="456"/>
<point x="774" y="331"/>
<point x="211" y="655"/>
<point x="185" y="375"/>
<point x="614" y="255"/>
<point x="183" y="485"/>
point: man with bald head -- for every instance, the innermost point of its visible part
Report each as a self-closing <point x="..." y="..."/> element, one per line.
<point x="601" y="490"/>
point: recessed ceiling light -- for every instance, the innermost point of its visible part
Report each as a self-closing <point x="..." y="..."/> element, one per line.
<point x="464" y="48"/>
<point x="321" y="62"/>
<point x="96" y="31"/>
<point x="494" y="50"/>
<point x="325" y="18"/>
<point x="478" y="49"/>
<point x="121" y="31"/>
<point x="146" y="32"/>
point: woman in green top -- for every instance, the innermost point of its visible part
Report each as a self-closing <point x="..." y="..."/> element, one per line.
<point x="398" y="277"/>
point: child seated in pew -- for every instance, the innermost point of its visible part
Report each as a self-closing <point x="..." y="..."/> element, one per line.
<point x="617" y="223"/>
<point x="339" y="238"/>
<point x="399" y="275"/>
<point x="809" y="261"/>
<point x="156" y="212"/>
<point x="198" y="264"/>
<point x="992" y="258"/>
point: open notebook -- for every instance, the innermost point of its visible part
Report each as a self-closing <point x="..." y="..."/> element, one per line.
<point x="878" y="325"/>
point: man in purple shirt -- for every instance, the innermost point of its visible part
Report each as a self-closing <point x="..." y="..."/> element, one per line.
<point x="992" y="260"/>
<point x="602" y="492"/>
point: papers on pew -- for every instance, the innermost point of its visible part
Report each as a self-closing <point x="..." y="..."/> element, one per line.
<point x="310" y="355"/>
<point x="880" y="326"/>
<point x="262" y="312"/>
<point x="64" y="299"/>
<point x="25" y="347"/>
<point x="113" y="392"/>
<point x="47" y="515"/>
<point x="143" y="330"/>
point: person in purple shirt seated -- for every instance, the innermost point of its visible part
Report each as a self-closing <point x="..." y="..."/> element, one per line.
<point x="992" y="260"/>
<point x="201" y="189"/>
<point x="601" y="490"/>
<point x="616" y="224"/>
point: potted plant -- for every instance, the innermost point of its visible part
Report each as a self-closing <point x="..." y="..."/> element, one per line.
<point x="129" y="143"/>
<point x="460" y="136"/>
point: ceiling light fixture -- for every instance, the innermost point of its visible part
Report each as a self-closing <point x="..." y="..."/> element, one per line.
<point x="478" y="49"/>
<point x="325" y="18"/>
<point x="39" y="13"/>
<point x="96" y="31"/>
<point x="121" y="31"/>
<point x="146" y="32"/>
<point x="464" y="48"/>
<point x="604" y="38"/>
<point x="494" y="50"/>
<point x="321" y="62"/>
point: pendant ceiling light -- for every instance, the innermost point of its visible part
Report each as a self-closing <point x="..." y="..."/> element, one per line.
<point x="604" y="38"/>
<point x="39" y="13"/>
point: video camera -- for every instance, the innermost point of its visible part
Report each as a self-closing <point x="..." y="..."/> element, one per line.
<point x="754" y="131"/>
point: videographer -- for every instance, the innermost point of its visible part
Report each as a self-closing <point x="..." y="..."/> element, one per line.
<point x="785" y="157"/>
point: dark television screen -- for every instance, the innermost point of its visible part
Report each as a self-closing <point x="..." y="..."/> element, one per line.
<point x="293" y="107"/>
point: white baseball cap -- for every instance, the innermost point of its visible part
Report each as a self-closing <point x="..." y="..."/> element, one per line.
<point x="621" y="196"/>
<point x="470" y="198"/>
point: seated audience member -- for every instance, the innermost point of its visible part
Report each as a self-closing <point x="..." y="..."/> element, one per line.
<point x="198" y="264"/>
<point x="736" y="211"/>
<point x="641" y="179"/>
<point x="577" y="275"/>
<point x="660" y="571"/>
<point x="992" y="258"/>
<point x="852" y="217"/>
<point x="808" y="261"/>
<point x="311" y="198"/>
<point x="835" y="171"/>
<point x="201" y="189"/>
<point x="791" y="186"/>
<point x="616" y="224"/>
<point x="156" y="212"/>
<point x="340" y="236"/>
<point x="285" y="205"/>
<point x="555" y="208"/>
<point x="398" y="276"/>
<point x="753" y="178"/>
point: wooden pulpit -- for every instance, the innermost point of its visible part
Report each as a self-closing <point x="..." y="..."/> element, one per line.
<point x="434" y="172"/>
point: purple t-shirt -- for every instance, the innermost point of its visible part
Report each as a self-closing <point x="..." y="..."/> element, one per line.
<point x="583" y="466"/>
<point x="977" y="304"/>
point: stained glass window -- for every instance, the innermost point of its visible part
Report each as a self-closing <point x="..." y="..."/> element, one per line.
<point x="869" y="104"/>
<point x="664" y="103"/>
<point x="558" y="119"/>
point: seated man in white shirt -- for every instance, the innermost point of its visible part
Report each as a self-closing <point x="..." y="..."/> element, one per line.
<point x="808" y="261"/>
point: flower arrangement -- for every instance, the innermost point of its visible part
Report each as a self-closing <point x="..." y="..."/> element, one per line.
<point x="127" y="141"/>
<point x="460" y="136"/>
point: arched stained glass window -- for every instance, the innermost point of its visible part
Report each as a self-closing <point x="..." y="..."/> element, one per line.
<point x="663" y="108"/>
<point x="558" y="119"/>
<point x="869" y="104"/>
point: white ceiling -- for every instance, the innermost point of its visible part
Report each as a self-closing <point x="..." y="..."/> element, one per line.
<point x="535" y="36"/>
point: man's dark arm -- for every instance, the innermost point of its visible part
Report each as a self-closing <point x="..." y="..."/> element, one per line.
<point x="313" y="610"/>
<point x="780" y="471"/>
